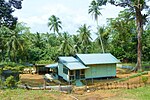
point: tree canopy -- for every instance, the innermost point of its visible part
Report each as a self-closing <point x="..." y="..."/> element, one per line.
<point x="6" y="10"/>
<point x="136" y="6"/>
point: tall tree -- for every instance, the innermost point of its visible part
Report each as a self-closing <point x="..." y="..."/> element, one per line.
<point x="4" y="33"/>
<point x="122" y="32"/>
<point x="54" y="24"/>
<point x="137" y="6"/>
<point x="66" y="46"/>
<point x="6" y="10"/>
<point x="85" y="37"/>
<point x="104" y="37"/>
<point x="94" y="9"/>
<point x="76" y="44"/>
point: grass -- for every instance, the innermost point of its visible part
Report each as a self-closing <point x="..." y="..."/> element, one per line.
<point x="21" y="94"/>
<point x="141" y="93"/>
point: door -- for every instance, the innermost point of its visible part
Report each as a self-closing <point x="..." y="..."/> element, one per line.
<point x="77" y="74"/>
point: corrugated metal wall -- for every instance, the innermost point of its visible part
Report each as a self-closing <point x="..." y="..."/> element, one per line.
<point x="60" y="72"/>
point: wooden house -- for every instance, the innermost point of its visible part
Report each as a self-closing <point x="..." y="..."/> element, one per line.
<point x="87" y="66"/>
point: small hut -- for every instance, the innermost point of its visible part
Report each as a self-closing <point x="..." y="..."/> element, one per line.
<point x="41" y="69"/>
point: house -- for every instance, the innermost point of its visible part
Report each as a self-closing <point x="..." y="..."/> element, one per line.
<point x="87" y="66"/>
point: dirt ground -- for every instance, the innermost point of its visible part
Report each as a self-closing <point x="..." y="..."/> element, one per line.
<point x="37" y="80"/>
<point x="32" y="79"/>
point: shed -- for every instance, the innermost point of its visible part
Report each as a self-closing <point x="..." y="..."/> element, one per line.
<point x="52" y="68"/>
<point x="100" y="65"/>
<point x="41" y="69"/>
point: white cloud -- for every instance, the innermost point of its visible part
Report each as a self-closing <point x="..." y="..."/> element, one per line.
<point x="72" y="15"/>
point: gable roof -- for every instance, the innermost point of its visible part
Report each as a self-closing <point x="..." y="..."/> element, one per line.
<point x="75" y="66"/>
<point x="72" y="63"/>
<point x="98" y="58"/>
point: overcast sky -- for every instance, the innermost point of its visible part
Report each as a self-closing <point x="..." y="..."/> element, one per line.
<point x="72" y="13"/>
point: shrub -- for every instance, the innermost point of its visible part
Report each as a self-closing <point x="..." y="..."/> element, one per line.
<point x="44" y="62"/>
<point x="10" y="82"/>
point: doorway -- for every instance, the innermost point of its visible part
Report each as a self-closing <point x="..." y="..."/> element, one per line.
<point x="77" y="74"/>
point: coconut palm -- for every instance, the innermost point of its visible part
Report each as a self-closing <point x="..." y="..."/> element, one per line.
<point x="66" y="47"/>
<point x="4" y="31"/>
<point x="76" y="44"/>
<point x="94" y="9"/>
<point x="14" y="44"/>
<point x="85" y="37"/>
<point x="54" y="24"/>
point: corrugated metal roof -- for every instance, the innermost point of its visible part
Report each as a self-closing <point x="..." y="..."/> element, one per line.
<point x="52" y="65"/>
<point x="105" y="58"/>
<point x="72" y="63"/>
<point x="75" y="66"/>
<point x="68" y="59"/>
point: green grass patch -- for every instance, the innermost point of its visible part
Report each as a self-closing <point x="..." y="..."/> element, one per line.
<point x="21" y="94"/>
<point x="141" y="93"/>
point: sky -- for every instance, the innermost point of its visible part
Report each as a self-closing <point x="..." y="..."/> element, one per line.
<point x="72" y="13"/>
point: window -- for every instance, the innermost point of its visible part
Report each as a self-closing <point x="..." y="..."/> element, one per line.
<point x="82" y="72"/>
<point x="65" y="70"/>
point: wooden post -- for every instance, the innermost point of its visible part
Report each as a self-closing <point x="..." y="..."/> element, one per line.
<point x="44" y="84"/>
<point x="127" y="85"/>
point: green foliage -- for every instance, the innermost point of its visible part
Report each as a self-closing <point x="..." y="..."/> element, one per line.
<point x="144" y="79"/>
<point x="44" y="62"/>
<point x="123" y="34"/>
<point x="85" y="37"/>
<point x="13" y="66"/>
<point x="118" y="37"/>
<point x="6" y="10"/>
<point x="54" y="24"/>
<point x="22" y="94"/>
<point x="10" y="82"/>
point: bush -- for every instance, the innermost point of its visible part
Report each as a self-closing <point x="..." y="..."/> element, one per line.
<point x="10" y="82"/>
<point x="1" y="84"/>
<point x="44" y="62"/>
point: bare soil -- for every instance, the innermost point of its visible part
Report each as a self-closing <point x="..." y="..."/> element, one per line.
<point x="116" y="94"/>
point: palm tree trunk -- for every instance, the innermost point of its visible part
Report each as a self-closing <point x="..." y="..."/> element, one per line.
<point x="100" y="39"/>
<point x="139" y="24"/>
